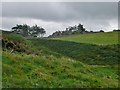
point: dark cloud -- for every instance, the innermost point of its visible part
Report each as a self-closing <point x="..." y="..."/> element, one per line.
<point x="61" y="11"/>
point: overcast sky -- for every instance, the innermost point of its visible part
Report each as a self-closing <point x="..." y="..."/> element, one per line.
<point x="55" y="16"/>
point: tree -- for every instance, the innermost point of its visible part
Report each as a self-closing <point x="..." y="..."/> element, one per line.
<point x="77" y="29"/>
<point x="37" y="31"/>
<point x="101" y="31"/>
<point x="21" y="29"/>
<point x="33" y="30"/>
<point x="42" y="31"/>
<point x="14" y="29"/>
<point x="80" y="28"/>
<point x="25" y="30"/>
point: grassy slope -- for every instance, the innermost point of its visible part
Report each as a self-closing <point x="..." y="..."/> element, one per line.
<point x="86" y="53"/>
<point x="54" y="63"/>
<point x="96" y="38"/>
<point x="48" y="71"/>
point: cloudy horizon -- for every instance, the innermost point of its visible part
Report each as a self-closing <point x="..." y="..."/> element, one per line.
<point x="54" y="16"/>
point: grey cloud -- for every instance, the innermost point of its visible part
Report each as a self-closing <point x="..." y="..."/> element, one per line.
<point x="61" y="12"/>
<point x="7" y="23"/>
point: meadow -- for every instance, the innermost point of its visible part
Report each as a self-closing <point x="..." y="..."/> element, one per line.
<point x="66" y="62"/>
<point x="101" y="38"/>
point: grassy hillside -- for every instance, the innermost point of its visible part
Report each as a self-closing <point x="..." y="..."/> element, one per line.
<point x="47" y="71"/>
<point x="86" y="53"/>
<point x="47" y="63"/>
<point x="94" y="38"/>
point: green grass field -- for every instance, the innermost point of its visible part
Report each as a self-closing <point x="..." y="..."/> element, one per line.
<point x="48" y="63"/>
<point x="96" y="38"/>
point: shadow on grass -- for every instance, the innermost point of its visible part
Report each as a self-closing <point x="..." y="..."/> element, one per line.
<point x="86" y="53"/>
